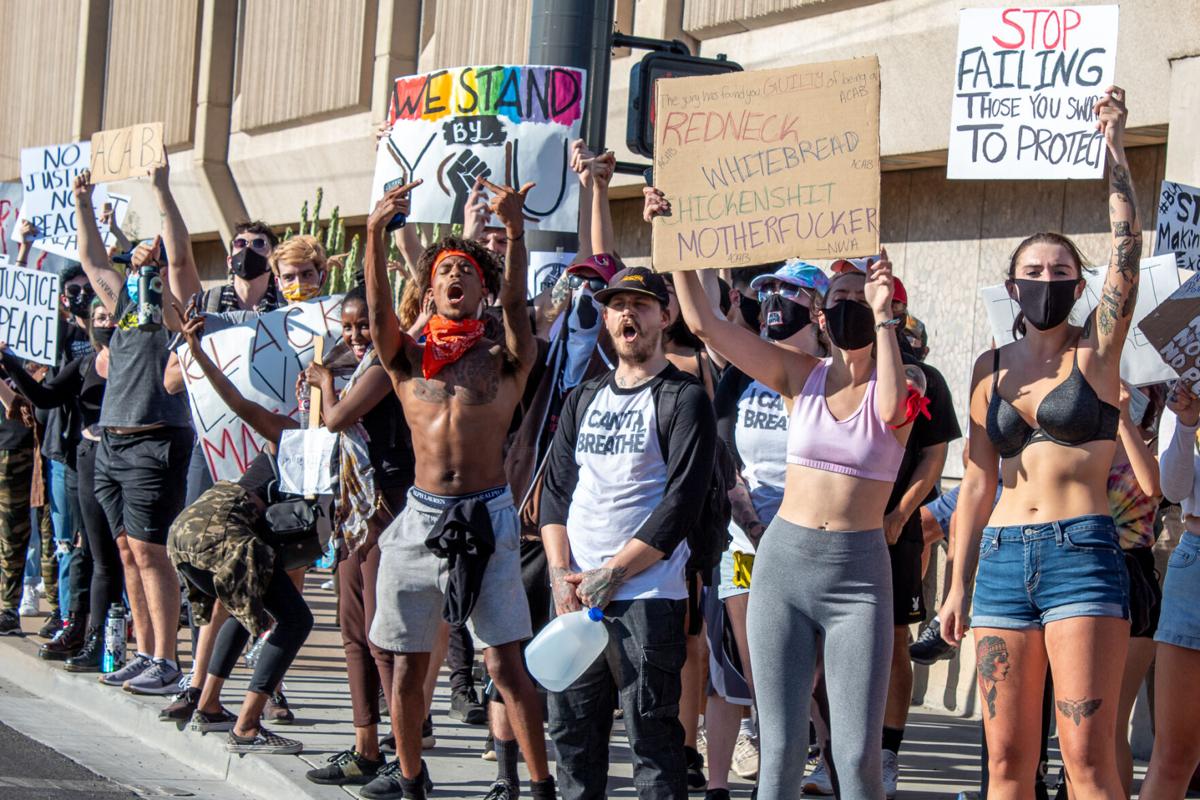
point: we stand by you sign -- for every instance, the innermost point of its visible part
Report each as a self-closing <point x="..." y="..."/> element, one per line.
<point x="1025" y="83"/>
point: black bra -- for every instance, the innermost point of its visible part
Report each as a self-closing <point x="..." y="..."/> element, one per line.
<point x="1071" y="414"/>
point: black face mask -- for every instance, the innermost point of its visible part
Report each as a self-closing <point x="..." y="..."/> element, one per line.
<point x="248" y="264"/>
<point x="750" y="310"/>
<point x="783" y="318"/>
<point x="79" y="304"/>
<point x="101" y="337"/>
<point x="850" y="324"/>
<point x="1045" y="304"/>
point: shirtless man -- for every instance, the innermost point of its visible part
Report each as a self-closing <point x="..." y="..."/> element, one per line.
<point x="459" y="392"/>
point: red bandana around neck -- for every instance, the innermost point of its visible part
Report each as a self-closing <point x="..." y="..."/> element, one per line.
<point x="446" y="340"/>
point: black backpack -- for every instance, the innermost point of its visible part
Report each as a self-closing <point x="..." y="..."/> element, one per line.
<point x="709" y="537"/>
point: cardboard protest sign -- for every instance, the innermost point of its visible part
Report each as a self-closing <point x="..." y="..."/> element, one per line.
<point x="262" y="357"/>
<point x="1025" y="81"/>
<point x="29" y="313"/>
<point x="1173" y="329"/>
<point x="127" y="152"/>
<point x="545" y="268"/>
<point x="767" y="165"/>
<point x="46" y="177"/>
<point x="1140" y="364"/>
<point x="510" y="124"/>
<point x="1178" y="229"/>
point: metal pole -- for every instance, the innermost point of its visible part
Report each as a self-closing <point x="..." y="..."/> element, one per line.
<point x="574" y="33"/>
<point x="577" y="33"/>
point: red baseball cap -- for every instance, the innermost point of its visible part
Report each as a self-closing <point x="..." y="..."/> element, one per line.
<point x="602" y="264"/>
<point x="899" y="293"/>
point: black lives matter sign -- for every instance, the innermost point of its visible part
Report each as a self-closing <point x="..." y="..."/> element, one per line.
<point x="1025" y="83"/>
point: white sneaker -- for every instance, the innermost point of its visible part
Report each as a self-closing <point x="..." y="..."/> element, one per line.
<point x="891" y="773"/>
<point x="745" y="757"/>
<point x="29" y="602"/>
<point x="702" y="742"/>
<point x="819" y="782"/>
<point x="41" y="588"/>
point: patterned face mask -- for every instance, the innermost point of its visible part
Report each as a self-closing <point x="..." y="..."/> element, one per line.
<point x="299" y="292"/>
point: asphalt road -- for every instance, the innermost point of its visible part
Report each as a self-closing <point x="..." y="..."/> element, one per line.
<point x="31" y="771"/>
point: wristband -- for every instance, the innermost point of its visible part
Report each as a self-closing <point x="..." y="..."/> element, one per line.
<point x="894" y="322"/>
<point x="517" y="238"/>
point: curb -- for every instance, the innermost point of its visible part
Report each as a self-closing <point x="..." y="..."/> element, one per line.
<point x="136" y="716"/>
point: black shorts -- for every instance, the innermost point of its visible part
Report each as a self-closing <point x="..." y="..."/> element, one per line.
<point x="1145" y="593"/>
<point x="141" y="480"/>
<point x="908" y="597"/>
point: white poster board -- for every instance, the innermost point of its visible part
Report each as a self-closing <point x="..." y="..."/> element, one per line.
<point x="545" y="268"/>
<point x="262" y="357"/>
<point x="1140" y="362"/>
<point x="305" y="461"/>
<point x="46" y="177"/>
<point x="1178" y="228"/>
<point x="29" y="313"/>
<point x="1025" y="81"/>
<point x="510" y="124"/>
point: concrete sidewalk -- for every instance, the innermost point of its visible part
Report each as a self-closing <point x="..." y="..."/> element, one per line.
<point x="940" y="757"/>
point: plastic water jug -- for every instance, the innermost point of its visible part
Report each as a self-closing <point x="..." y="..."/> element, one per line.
<point x="566" y="647"/>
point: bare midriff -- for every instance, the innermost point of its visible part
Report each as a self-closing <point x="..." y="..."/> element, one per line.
<point x="1047" y="482"/>
<point x="817" y="498"/>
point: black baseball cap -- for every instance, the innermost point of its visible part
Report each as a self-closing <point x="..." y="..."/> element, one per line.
<point x="636" y="279"/>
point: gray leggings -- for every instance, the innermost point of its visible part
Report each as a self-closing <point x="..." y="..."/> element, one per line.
<point x="815" y="589"/>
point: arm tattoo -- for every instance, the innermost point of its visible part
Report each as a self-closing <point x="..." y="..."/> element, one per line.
<point x="562" y="288"/>
<point x="1121" y="185"/>
<point x="1078" y="710"/>
<point x="1110" y="303"/>
<point x="599" y="585"/>
<point x="991" y="656"/>
<point x="564" y="593"/>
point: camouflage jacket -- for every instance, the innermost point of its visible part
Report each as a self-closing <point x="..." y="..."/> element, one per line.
<point x="218" y="534"/>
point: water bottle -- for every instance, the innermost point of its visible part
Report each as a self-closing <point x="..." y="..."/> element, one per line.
<point x="149" y="299"/>
<point x="113" y="657"/>
<point x="566" y="647"/>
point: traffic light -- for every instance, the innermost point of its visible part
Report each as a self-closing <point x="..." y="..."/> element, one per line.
<point x="639" y="130"/>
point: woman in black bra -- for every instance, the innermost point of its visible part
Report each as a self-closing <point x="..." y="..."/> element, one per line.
<point x="1051" y="588"/>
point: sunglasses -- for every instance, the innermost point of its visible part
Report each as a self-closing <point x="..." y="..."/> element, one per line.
<point x="259" y="245"/>
<point x="790" y="292"/>
<point x="595" y="284"/>
<point x="75" y="290"/>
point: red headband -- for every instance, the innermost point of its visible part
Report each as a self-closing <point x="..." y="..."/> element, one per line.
<point x="442" y="256"/>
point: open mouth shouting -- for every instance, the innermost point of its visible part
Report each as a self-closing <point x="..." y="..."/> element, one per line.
<point x="629" y="332"/>
<point x="454" y="294"/>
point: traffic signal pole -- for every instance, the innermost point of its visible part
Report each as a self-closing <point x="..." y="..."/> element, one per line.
<point x="577" y="33"/>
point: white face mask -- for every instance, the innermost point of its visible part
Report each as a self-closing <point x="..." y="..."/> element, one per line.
<point x="583" y="331"/>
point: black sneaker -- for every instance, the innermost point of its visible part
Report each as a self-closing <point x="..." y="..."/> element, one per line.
<point x="501" y="790"/>
<point x="388" y="743"/>
<point x="346" y="768"/>
<point x="182" y="707"/>
<point x="695" y="770"/>
<point x="465" y="706"/>
<point x="218" y="722"/>
<point x="263" y="742"/>
<point x="389" y="784"/>
<point x="54" y="624"/>
<point x="930" y="647"/>
<point x="88" y="657"/>
<point x="428" y="740"/>
<point x="10" y="623"/>
<point x="716" y="794"/>
<point x="489" y="748"/>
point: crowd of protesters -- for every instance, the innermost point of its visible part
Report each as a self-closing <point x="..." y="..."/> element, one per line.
<point x="741" y="468"/>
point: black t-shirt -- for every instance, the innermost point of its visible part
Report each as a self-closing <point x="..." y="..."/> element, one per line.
<point x="941" y="427"/>
<point x="390" y="446"/>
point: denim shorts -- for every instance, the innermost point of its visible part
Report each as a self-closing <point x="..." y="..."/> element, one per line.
<point x="1031" y="575"/>
<point x="1179" y="621"/>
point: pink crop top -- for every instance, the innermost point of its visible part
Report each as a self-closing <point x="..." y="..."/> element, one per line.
<point x="861" y="445"/>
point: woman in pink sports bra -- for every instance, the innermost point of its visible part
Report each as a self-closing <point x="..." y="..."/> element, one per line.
<point x="822" y="577"/>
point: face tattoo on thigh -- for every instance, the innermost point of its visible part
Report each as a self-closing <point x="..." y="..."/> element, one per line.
<point x="991" y="654"/>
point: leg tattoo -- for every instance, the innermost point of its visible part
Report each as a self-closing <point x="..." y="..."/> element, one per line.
<point x="991" y="654"/>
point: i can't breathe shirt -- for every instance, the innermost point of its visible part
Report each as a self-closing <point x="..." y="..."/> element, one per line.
<point x="760" y="434"/>
<point x="622" y="480"/>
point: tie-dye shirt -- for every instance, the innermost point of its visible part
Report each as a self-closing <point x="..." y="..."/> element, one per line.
<point x="1132" y="509"/>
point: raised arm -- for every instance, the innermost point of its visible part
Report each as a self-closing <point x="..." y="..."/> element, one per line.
<point x="1141" y="459"/>
<point x="53" y="392"/>
<point x="976" y="496"/>
<point x="1177" y="444"/>
<point x="389" y="340"/>
<point x="1119" y="296"/>
<point x="508" y="204"/>
<point x="603" y="240"/>
<point x="182" y="279"/>
<point x="267" y="424"/>
<point x="109" y="218"/>
<point x="28" y="232"/>
<point x="777" y="368"/>
<point x="891" y="387"/>
<point x="107" y="282"/>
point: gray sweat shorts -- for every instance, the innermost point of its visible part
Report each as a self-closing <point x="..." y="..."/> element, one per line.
<point x="411" y="583"/>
